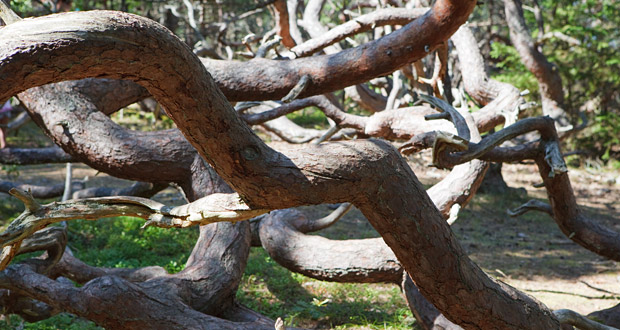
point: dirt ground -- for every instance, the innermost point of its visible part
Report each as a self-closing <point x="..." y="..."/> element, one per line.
<point x="529" y="252"/>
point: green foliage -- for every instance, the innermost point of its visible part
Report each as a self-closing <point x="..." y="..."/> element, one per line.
<point x="604" y="134"/>
<point x="276" y="292"/>
<point x="511" y="69"/>
<point x="312" y="118"/>
<point x="133" y="118"/>
<point x="23" y="8"/>
<point x="589" y="67"/>
<point x="11" y="171"/>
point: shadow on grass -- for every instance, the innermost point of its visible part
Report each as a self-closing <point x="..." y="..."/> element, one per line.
<point x="529" y="245"/>
<point x="276" y="292"/>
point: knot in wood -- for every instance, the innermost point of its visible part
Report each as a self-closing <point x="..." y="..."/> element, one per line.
<point x="250" y="153"/>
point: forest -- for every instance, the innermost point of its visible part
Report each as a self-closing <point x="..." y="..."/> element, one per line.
<point x="309" y="164"/>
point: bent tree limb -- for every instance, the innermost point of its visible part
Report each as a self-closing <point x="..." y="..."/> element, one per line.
<point x="348" y="67"/>
<point x="374" y="177"/>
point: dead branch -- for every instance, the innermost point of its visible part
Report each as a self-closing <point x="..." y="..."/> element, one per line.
<point x="298" y="89"/>
<point x="209" y="209"/>
<point x="501" y="101"/>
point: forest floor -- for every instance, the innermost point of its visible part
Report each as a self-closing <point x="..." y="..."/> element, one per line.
<point x="528" y="252"/>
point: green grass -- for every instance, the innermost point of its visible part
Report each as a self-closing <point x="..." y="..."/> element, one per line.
<point x="309" y="118"/>
<point x="300" y="301"/>
<point x="266" y="286"/>
<point x="61" y="321"/>
<point x="120" y="242"/>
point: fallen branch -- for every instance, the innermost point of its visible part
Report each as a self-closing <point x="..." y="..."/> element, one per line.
<point x="209" y="209"/>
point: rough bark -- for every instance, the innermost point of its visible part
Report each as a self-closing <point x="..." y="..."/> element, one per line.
<point x="374" y="176"/>
<point x="70" y="118"/>
<point x="349" y="67"/>
<point x="131" y="305"/>
<point x="427" y="315"/>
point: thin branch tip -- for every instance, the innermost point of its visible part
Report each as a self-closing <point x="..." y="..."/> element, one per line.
<point x="26" y="197"/>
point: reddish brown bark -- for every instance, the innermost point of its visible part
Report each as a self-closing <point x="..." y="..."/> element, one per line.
<point x="427" y="315"/>
<point x="322" y="39"/>
<point x="91" y="137"/>
<point x="374" y="176"/>
<point x="282" y="23"/>
<point x="346" y="68"/>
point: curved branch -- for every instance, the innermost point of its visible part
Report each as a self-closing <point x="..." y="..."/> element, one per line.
<point x="374" y="176"/>
<point x="531" y="205"/>
<point x="93" y="138"/>
<point x="348" y="67"/>
<point x="385" y="16"/>
<point x="500" y="100"/>
<point x="359" y="261"/>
